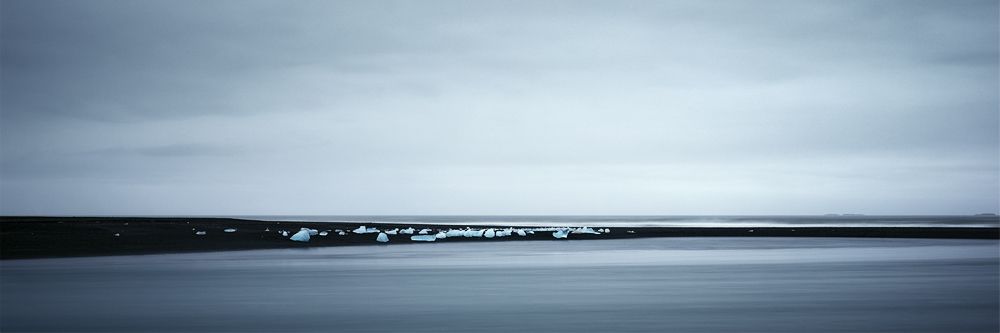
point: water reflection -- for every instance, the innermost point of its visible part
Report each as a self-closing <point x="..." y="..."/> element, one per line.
<point x="665" y="284"/>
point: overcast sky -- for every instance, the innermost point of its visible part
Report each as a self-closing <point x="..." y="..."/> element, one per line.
<point x="507" y="107"/>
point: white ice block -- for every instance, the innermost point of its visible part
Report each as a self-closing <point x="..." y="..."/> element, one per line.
<point x="301" y="236"/>
<point x="382" y="237"/>
<point x="423" y="238"/>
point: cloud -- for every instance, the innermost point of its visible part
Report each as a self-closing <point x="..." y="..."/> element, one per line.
<point x="403" y="107"/>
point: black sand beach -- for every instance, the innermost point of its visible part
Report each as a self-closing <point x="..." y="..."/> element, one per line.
<point x="51" y="237"/>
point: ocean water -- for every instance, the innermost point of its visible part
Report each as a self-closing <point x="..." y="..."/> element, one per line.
<point x="620" y="285"/>
<point x="977" y="221"/>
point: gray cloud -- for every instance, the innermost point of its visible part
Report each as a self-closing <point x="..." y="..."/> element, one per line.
<point x="524" y="107"/>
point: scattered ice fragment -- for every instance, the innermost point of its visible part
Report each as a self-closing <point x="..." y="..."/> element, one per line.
<point x="283" y="233"/>
<point x="751" y="230"/>
<point x="382" y="237"/>
<point x="490" y="233"/>
<point x="521" y="232"/>
<point x="301" y="236"/>
<point x="478" y="233"/>
<point x="267" y="229"/>
<point x="407" y="231"/>
<point x="200" y="233"/>
<point x="454" y="233"/>
<point x="585" y="230"/>
<point x="606" y="230"/>
<point x="323" y="233"/>
<point x="392" y="232"/>
<point x="631" y="232"/>
<point x="469" y="233"/>
<point x="425" y="231"/>
<point x="230" y="230"/>
<point x="423" y="238"/>
<point x="341" y="233"/>
<point x="560" y="233"/>
<point x="312" y="232"/>
<point x="363" y="230"/>
<point x="441" y="235"/>
<point x="117" y="234"/>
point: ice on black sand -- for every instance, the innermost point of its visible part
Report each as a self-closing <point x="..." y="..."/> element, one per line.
<point x="382" y="237"/>
<point x="230" y="230"/>
<point x="423" y="238"/>
<point x="301" y="236"/>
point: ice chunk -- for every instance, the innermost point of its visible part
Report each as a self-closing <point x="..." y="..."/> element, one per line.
<point x="521" y="232"/>
<point x="423" y="238"/>
<point x="454" y="233"/>
<point x="584" y="231"/>
<point x="200" y="233"/>
<point x="117" y="234"/>
<point x="441" y="235"/>
<point x="323" y="233"/>
<point x="283" y="233"/>
<point x="363" y="230"/>
<point x="392" y="232"/>
<point x="301" y="236"/>
<point x="490" y="233"/>
<point x="230" y="230"/>
<point x="469" y="233"/>
<point x="341" y="233"/>
<point x="407" y="231"/>
<point x="382" y="237"/>
<point x="560" y="233"/>
<point x="312" y="232"/>
<point x="425" y="231"/>
<point x="267" y="229"/>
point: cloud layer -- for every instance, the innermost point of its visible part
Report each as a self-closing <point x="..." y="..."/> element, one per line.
<point x="440" y="107"/>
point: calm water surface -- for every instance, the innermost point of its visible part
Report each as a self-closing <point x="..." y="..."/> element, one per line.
<point x="650" y="285"/>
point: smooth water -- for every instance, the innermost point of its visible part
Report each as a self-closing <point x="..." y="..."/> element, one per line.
<point x="646" y="285"/>
<point x="987" y="221"/>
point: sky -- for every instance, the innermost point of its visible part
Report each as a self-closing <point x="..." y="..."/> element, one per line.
<point x="499" y="107"/>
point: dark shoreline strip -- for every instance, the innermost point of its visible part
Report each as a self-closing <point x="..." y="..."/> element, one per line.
<point x="53" y="237"/>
